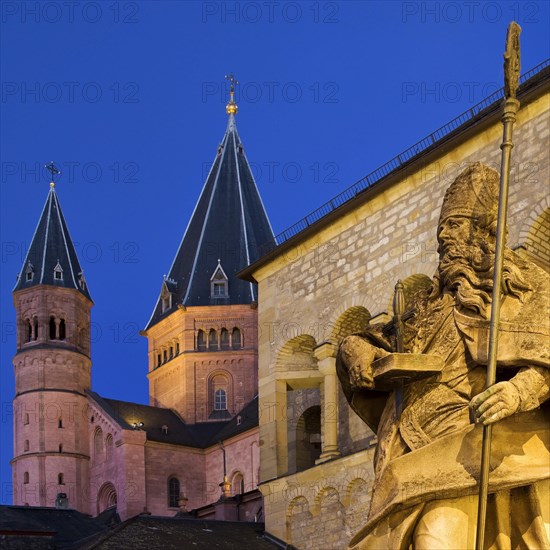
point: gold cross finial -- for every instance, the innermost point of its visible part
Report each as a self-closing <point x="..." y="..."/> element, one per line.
<point x="231" y="108"/>
<point x="54" y="171"/>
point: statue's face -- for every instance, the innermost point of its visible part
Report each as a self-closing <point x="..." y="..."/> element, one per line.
<point x="453" y="231"/>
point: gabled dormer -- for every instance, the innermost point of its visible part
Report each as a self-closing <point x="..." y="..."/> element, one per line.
<point x="167" y="294"/>
<point x="219" y="286"/>
<point x="57" y="273"/>
<point x="29" y="273"/>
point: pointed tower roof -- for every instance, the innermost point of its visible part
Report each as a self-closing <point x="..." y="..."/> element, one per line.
<point x="51" y="258"/>
<point x="227" y="229"/>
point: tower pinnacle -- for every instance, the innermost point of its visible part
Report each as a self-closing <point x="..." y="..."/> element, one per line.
<point x="229" y="224"/>
<point x="231" y="108"/>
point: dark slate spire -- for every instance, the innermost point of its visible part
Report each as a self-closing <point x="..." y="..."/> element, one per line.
<point x="224" y="235"/>
<point x="51" y="258"/>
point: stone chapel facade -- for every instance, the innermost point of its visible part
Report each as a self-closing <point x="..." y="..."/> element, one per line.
<point x="202" y="367"/>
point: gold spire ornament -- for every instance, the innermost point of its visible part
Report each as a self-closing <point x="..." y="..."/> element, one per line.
<point x="231" y="108"/>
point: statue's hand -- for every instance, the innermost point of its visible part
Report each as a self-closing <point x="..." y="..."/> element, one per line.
<point x="497" y="402"/>
<point x="357" y="356"/>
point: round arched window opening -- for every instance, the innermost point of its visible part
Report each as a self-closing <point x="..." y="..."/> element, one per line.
<point x="201" y="340"/>
<point x="236" y="339"/>
<point x="173" y="492"/>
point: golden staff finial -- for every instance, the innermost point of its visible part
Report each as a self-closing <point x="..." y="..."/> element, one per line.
<point x="231" y="108"/>
<point x="512" y="61"/>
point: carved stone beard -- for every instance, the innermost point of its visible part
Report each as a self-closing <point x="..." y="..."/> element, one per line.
<point x="467" y="271"/>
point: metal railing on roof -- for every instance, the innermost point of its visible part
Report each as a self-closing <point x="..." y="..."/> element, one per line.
<point x="397" y="162"/>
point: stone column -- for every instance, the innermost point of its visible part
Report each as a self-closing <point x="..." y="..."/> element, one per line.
<point x="273" y="429"/>
<point x="326" y="359"/>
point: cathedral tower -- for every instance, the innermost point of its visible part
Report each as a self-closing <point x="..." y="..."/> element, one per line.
<point x="202" y="334"/>
<point x="52" y="368"/>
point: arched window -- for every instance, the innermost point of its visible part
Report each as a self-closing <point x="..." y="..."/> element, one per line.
<point x="173" y="492"/>
<point x="212" y="339"/>
<point x="237" y="484"/>
<point x="35" y="326"/>
<point x="171" y="352"/>
<point x="26" y="445"/>
<point x="98" y="445"/>
<point x="219" y="395"/>
<point x="52" y="328"/>
<point x="26" y="477"/>
<point x="28" y="331"/>
<point x="236" y="339"/>
<point x="220" y="400"/>
<point x="60" y="448"/>
<point x="109" y="447"/>
<point x="201" y="340"/>
<point x="62" y="329"/>
<point x="159" y="360"/>
<point x="165" y="356"/>
<point x="60" y="480"/>
<point x="177" y="348"/>
<point x="224" y="339"/>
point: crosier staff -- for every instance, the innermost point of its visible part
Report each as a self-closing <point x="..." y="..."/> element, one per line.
<point x="511" y="107"/>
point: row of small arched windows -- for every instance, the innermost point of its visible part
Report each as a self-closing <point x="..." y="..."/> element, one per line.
<point x="219" y="341"/>
<point x="56" y="329"/>
<point x="168" y="353"/>
<point x="213" y="341"/>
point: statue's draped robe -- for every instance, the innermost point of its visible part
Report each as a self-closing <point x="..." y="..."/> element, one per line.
<point x="433" y="451"/>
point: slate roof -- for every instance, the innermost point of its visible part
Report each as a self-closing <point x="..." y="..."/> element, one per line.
<point x="200" y="435"/>
<point x="66" y="526"/>
<point x="229" y="224"/>
<point x="151" y="532"/>
<point x="52" y="247"/>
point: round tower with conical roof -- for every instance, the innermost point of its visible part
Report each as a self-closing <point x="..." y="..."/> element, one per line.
<point x="52" y="368"/>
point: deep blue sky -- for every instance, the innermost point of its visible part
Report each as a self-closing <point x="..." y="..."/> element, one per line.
<point x="128" y="97"/>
